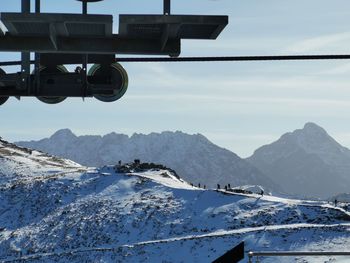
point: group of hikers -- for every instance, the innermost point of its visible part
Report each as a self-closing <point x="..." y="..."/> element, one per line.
<point x="228" y="188"/>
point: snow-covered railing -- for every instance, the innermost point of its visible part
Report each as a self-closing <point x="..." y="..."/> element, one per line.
<point x="252" y="254"/>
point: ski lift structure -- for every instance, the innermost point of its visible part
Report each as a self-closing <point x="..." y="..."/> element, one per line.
<point x="82" y="39"/>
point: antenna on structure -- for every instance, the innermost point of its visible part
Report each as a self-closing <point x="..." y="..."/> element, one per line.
<point x="85" y="3"/>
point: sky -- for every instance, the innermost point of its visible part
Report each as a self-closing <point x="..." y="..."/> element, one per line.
<point x="237" y="105"/>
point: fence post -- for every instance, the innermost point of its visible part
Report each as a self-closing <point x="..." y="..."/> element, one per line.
<point x="250" y="257"/>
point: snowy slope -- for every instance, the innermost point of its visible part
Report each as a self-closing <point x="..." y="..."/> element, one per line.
<point x="98" y="215"/>
<point x="307" y="162"/>
<point x="194" y="157"/>
<point x="23" y="163"/>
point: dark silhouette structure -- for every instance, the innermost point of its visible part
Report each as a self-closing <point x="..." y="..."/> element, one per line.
<point x="232" y="256"/>
<point x="82" y="39"/>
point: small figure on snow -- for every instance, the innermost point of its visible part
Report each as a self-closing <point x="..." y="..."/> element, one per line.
<point x="335" y="202"/>
<point x="262" y="192"/>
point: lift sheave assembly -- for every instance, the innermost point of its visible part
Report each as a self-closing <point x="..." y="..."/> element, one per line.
<point x="82" y="39"/>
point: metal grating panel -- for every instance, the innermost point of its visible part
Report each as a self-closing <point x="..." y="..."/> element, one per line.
<point x="196" y="31"/>
<point x="81" y="29"/>
<point x="145" y="30"/>
<point x="60" y="24"/>
<point x="173" y="26"/>
<point x="31" y="28"/>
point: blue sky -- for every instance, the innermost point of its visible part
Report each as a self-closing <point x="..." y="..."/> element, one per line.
<point x="238" y="105"/>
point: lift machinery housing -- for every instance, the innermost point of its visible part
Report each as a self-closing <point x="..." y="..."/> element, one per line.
<point x="82" y="39"/>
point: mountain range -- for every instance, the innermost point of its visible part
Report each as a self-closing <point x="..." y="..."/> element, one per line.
<point x="54" y="210"/>
<point x="193" y="157"/>
<point x="305" y="163"/>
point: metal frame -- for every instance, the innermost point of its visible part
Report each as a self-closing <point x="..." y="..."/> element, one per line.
<point x="25" y="56"/>
<point x="56" y="46"/>
<point x="86" y="45"/>
<point x="37" y="55"/>
<point x="178" y="26"/>
<point x="294" y="253"/>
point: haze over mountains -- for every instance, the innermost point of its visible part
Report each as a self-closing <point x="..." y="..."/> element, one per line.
<point x="306" y="163"/>
<point x="193" y="157"/>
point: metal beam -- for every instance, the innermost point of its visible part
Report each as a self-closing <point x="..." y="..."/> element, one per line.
<point x="37" y="6"/>
<point x="25" y="56"/>
<point x="167" y="7"/>
<point x="58" y="59"/>
<point x="67" y="84"/>
<point x="84" y="6"/>
<point x="84" y="57"/>
<point x="179" y="26"/>
<point x="113" y="45"/>
<point x="26" y="6"/>
<point x="295" y="253"/>
<point x="37" y="55"/>
<point x="298" y="253"/>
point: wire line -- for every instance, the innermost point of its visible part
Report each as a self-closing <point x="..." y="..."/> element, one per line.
<point x="214" y="59"/>
<point x="234" y="58"/>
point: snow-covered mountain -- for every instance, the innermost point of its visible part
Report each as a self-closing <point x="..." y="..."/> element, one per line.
<point x="194" y="157"/>
<point x="61" y="212"/>
<point x="17" y="163"/>
<point x="307" y="162"/>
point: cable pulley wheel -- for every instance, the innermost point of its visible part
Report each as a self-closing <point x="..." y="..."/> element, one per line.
<point x="3" y="99"/>
<point x="117" y="77"/>
<point x="48" y="70"/>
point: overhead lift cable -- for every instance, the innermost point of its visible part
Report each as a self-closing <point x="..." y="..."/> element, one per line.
<point x="234" y="58"/>
<point x="215" y="59"/>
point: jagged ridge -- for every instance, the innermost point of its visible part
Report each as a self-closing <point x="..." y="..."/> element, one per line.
<point x="194" y="157"/>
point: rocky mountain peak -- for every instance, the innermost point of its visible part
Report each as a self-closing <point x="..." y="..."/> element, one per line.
<point x="313" y="127"/>
<point x="313" y="130"/>
<point x="311" y="138"/>
<point x="307" y="160"/>
<point x="64" y="134"/>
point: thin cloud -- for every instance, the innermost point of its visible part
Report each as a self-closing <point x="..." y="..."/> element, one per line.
<point x="315" y="44"/>
<point x="338" y="70"/>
